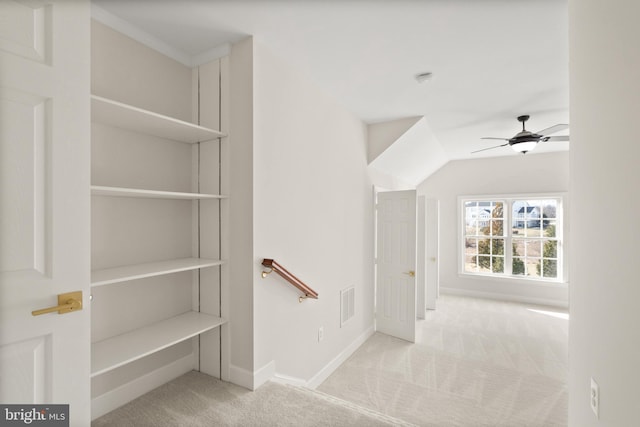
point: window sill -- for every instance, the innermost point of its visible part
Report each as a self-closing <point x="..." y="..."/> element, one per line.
<point x="516" y="280"/>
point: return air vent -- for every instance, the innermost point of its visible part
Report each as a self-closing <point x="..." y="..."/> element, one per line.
<point x="347" y="304"/>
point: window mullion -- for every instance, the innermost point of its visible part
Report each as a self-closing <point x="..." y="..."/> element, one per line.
<point x="508" y="247"/>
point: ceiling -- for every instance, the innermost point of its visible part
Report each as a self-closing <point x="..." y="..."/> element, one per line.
<point x="492" y="60"/>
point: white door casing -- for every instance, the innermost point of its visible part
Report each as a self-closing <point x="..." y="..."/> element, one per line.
<point x="421" y="260"/>
<point x="432" y="211"/>
<point x="44" y="202"/>
<point x="396" y="264"/>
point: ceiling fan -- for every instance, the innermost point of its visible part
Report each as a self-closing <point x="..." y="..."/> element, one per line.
<point x="526" y="141"/>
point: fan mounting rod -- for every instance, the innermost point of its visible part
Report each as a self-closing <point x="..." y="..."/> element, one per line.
<point x="523" y="119"/>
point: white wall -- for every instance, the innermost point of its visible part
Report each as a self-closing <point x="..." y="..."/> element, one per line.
<point x="515" y="174"/>
<point x="130" y="72"/>
<point x="313" y="213"/>
<point x="604" y="342"/>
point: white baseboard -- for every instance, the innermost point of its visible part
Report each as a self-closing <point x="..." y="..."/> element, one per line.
<point x="251" y="380"/>
<point x="329" y="368"/>
<point x="264" y="374"/>
<point x="503" y="297"/>
<point x="286" y="379"/>
<point x="324" y="373"/>
<point x="119" y="396"/>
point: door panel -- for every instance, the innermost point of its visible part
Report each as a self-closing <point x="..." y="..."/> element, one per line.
<point x="396" y="264"/>
<point x="44" y="202"/>
<point x="24" y="371"/>
<point x="23" y="198"/>
<point x="27" y="30"/>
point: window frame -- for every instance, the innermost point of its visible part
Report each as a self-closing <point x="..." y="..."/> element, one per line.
<point x="508" y="200"/>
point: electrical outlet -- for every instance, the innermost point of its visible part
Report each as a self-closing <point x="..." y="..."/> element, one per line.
<point x="595" y="397"/>
<point x="320" y="333"/>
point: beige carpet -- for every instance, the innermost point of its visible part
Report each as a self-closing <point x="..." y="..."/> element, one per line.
<point x="197" y="399"/>
<point x="476" y="363"/>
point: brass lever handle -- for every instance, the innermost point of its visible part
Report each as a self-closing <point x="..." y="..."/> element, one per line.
<point x="410" y="273"/>
<point x="71" y="301"/>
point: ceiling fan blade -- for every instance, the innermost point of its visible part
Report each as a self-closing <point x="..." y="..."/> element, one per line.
<point x="490" y="148"/>
<point x="553" y="129"/>
<point x="556" y="138"/>
<point x="500" y="139"/>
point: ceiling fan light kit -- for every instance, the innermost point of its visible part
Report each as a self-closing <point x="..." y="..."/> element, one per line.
<point x="525" y="141"/>
<point x="524" y="147"/>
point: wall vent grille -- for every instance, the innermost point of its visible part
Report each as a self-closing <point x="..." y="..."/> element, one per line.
<point x="347" y="304"/>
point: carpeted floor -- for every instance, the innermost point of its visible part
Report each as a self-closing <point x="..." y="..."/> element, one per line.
<point x="197" y="399"/>
<point x="475" y="363"/>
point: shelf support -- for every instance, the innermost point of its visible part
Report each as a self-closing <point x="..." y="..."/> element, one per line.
<point x="274" y="266"/>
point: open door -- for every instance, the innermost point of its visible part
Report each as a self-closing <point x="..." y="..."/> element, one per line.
<point x="396" y="264"/>
<point x="45" y="206"/>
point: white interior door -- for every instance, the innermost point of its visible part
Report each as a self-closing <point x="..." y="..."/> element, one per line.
<point x="396" y="264"/>
<point x="44" y="203"/>
<point x="432" y="252"/>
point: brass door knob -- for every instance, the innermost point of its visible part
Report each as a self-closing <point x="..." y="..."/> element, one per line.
<point x="410" y="273"/>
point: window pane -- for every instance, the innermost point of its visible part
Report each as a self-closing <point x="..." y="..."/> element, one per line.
<point x="516" y="231"/>
<point x="518" y="247"/>
<point x="550" y="268"/>
<point x="534" y="228"/>
<point x="484" y="263"/>
<point x="517" y="266"/>
<point x="497" y="246"/>
<point x="550" y="249"/>
<point x="484" y="246"/>
<point x="533" y="248"/>
<point x="471" y="246"/>
<point x="533" y="267"/>
<point x="550" y="229"/>
<point x="497" y="227"/>
<point x="549" y="209"/>
<point x="498" y="265"/>
<point x="470" y="263"/>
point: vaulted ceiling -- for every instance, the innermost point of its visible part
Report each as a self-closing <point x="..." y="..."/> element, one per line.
<point x="492" y="60"/>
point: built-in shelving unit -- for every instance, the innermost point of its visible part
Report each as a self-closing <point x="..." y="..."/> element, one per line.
<point x="125" y="273"/>
<point x="159" y="212"/>
<point x="114" y="113"/>
<point x="114" y="352"/>
<point x="124" y="348"/>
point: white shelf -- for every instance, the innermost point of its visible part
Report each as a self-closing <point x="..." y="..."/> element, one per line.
<point x="126" y="348"/>
<point x="140" y="271"/>
<point x="100" y="190"/>
<point x="125" y="116"/>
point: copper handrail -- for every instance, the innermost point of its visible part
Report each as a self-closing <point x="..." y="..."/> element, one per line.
<point x="274" y="266"/>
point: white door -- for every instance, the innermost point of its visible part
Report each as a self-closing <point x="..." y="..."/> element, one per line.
<point x="432" y="252"/>
<point x="44" y="203"/>
<point x="396" y="264"/>
<point x="421" y="260"/>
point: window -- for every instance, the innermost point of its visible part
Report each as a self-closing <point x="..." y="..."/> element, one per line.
<point x="512" y="237"/>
